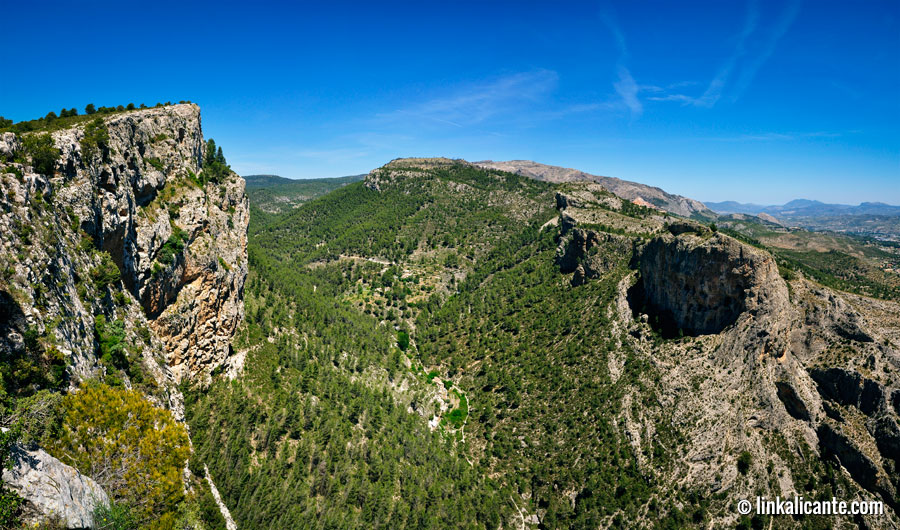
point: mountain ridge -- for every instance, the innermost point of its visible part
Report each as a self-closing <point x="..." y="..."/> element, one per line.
<point x="634" y="191"/>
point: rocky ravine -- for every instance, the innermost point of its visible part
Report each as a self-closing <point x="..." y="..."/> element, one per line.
<point x="789" y="372"/>
<point x="177" y="242"/>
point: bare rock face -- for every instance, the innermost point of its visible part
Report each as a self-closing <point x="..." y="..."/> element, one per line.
<point x="701" y="284"/>
<point x="9" y="145"/>
<point x="52" y="490"/>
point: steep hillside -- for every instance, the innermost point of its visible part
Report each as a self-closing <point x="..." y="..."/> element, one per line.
<point x="446" y="345"/>
<point x="124" y="259"/>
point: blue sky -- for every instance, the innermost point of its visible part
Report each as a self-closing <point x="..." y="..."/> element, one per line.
<point x="751" y="101"/>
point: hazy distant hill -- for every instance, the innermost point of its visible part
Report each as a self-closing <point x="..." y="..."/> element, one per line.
<point x="273" y="194"/>
<point x="265" y="181"/>
<point x="869" y="218"/>
<point x="806" y="208"/>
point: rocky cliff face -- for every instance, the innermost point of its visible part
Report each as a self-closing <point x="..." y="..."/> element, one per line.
<point x="700" y="282"/>
<point x="176" y="242"/>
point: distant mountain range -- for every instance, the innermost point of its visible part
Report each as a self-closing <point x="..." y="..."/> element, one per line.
<point x="805" y="208"/>
<point x="266" y="181"/>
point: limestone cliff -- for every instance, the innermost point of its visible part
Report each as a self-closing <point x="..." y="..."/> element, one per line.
<point x="134" y="193"/>
<point x="702" y="282"/>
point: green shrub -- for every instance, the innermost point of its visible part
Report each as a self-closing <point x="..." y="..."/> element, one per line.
<point x="155" y="163"/>
<point x="403" y="340"/>
<point x="743" y="462"/>
<point x="95" y="140"/>
<point x="173" y="246"/>
<point x="43" y="152"/>
<point x="456" y="418"/>
<point x="106" y="273"/>
<point x="39" y="416"/>
<point x="113" y="517"/>
<point x="26" y="370"/>
<point x="10" y="502"/>
<point x="111" y="338"/>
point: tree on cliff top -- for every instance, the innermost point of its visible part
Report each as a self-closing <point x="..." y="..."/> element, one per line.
<point x="214" y="166"/>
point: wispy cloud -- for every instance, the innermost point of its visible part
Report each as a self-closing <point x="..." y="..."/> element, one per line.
<point x="777" y="31"/>
<point x="628" y="89"/>
<point x="625" y="86"/>
<point x="608" y="17"/>
<point x="777" y="136"/>
<point x="714" y="91"/>
<point x="753" y="46"/>
<point x="475" y="103"/>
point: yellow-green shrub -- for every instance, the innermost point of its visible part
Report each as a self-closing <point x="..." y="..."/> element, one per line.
<point x="135" y="450"/>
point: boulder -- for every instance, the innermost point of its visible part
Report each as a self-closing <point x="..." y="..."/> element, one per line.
<point x="53" y="491"/>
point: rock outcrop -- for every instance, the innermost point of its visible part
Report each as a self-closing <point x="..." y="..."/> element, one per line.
<point x="53" y="492"/>
<point x="757" y="365"/>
